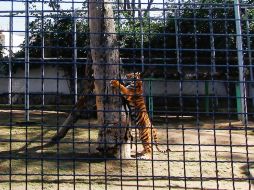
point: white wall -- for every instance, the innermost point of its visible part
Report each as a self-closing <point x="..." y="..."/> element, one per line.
<point x="158" y="87"/>
<point x="50" y="85"/>
<point x="188" y="88"/>
<point x="3" y="84"/>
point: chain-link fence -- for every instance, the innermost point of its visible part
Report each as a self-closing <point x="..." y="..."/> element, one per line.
<point x="154" y="94"/>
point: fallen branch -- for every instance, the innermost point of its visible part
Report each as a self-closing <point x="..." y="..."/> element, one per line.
<point x="61" y="133"/>
<point x="73" y="116"/>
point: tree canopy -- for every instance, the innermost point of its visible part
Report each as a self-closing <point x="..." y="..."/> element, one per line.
<point x="198" y="33"/>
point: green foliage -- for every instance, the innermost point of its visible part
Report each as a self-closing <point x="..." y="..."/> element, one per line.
<point x="57" y="31"/>
<point x="1" y="51"/>
<point x="3" y="65"/>
<point x="193" y="29"/>
<point x="203" y="24"/>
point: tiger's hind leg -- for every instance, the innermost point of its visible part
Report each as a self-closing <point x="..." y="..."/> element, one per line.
<point x="145" y="137"/>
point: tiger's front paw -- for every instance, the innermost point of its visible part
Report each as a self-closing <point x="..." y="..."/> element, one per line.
<point x="114" y="83"/>
<point x="144" y="157"/>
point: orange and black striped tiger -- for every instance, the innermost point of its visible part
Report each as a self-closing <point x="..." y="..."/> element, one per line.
<point x="133" y="93"/>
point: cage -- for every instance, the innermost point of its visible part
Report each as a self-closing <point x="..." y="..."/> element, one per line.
<point x="154" y="94"/>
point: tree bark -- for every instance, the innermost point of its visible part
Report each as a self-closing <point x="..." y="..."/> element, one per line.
<point x="105" y="55"/>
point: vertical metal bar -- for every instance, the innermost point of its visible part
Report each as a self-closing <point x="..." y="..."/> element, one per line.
<point x="27" y="60"/>
<point x="212" y="40"/>
<point x="179" y="69"/>
<point x="196" y="47"/>
<point x="42" y="33"/>
<point x="228" y="84"/>
<point x="239" y="43"/>
<point x="43" y="55"/>
<point x="242" y="83"/>
<point x="74" y="15"/>
<point x="142" y="37"/>
<point x="207" y="98"/>
<point x="42" y="88"/>
<point x="166" y="93"/>
<point x="10" y="54"/>
<point x="249" y="54"/>
<point x="213" y="53"/>
<point x="150" y="97"/>
<point x="56" y="46"/>
<point x="10" y="89"/>
<point x="177" y="40"/>
<point x="26" y="81"/>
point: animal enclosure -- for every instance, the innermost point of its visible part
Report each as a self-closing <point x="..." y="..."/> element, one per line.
<point x="76" y="114"/>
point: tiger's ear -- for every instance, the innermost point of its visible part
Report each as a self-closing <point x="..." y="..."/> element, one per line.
<point x="128" y="75"/>
<point x="137" y="75"/>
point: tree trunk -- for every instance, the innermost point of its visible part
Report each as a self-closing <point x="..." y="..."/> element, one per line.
<point x="113" y="136"/>
<point x="105" y="56"/>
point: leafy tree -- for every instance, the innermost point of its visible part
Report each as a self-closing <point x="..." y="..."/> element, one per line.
<point x="196" y="27"/>
<point x="1" y="51"/>
<point x="3" y="65"/>
<point x="56" y="30"/>
<point x="58" y="34"/>
<point x="193" y="30"/>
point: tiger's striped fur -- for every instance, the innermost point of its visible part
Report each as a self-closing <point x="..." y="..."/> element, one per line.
<point x="133" y="93"/>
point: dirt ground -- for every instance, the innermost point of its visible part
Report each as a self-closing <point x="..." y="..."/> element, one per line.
<point x="201" y="157"/>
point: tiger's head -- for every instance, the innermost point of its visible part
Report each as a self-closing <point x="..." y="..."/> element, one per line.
<point x="133" y="81"/>
<point x="133" y="75"/>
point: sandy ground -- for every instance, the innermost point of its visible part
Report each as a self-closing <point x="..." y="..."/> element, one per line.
<point x="201" y="157"/>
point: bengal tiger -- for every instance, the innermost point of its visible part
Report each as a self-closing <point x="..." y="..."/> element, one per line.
<point x="133" y="93"/>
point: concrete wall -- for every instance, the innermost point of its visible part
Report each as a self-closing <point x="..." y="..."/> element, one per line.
<point x="54" y="83"/>
<point x="60" y="85"/>
<point x="51" y="84"/>
<point x="160" y="87"/>
<point x="3" y="84"/>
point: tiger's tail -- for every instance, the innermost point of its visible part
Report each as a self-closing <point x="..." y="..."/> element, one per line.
<point x="155" y="139"/>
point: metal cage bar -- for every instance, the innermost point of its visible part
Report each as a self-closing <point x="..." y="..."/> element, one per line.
<point x="64" y="126"/>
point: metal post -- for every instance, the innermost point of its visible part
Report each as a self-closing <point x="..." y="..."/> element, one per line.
<point x="249" y="54"/>
<point x="150" y="97"/>
<point x="27" y="60"/>
<point x="75" y="55"/>
<point x="42" y="55"/>
<point x="243" y="115"/>
<point x="212" y="41"/>
<point x="178" y="52"/>
<point x="207" y="98"/>
<point x="10" y="55"/>
<point x="142" y="38"/>
<point x="177" y="37"/>
<point x="213" y="55"/>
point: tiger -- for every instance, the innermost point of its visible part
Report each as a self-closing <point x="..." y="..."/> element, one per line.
<point x="133" y="93"/>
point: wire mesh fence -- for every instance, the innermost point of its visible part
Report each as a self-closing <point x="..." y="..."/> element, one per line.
<point x="126" y="94"/>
